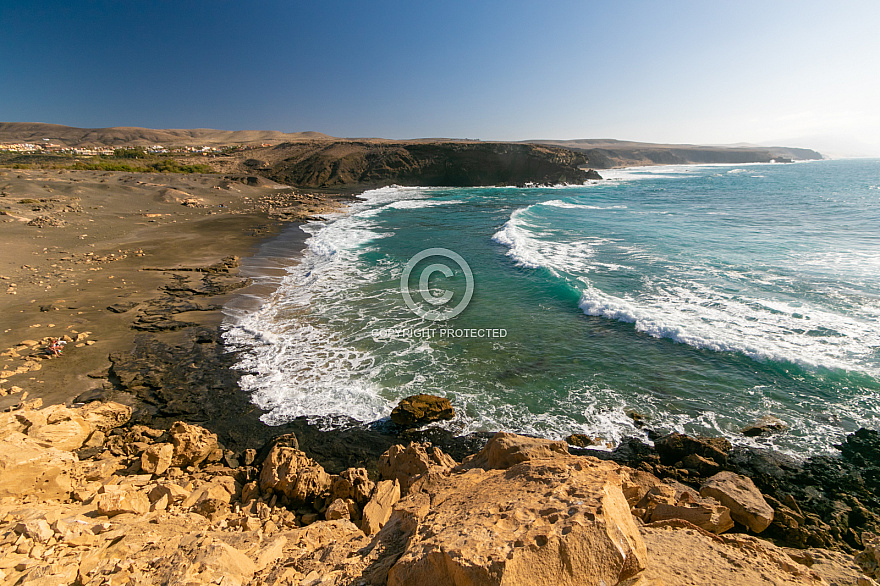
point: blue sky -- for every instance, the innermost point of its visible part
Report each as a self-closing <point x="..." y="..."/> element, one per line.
<point x="800" y="73"/>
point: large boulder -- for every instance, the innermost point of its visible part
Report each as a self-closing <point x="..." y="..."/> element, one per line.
<point x="354" y="484"/>
<point x="66" y="434"/>
<point x="739" y="494"/>
<point x="192" y="444"/>
<point x="421" y="409"/>
<point x="157" y="458"/>
<point x="105" y="416"/>
<point x="378" y="510"/>
<point x="506" y="449"/>
<point x="765" y="425"/>
<point x="122" y="501"/>
<point x="406" y="463"/>
<point x="290" y="472"/>
<point x="28" y="467"/>
<point x="663" y="502"/>
<point x="561" y="520"/>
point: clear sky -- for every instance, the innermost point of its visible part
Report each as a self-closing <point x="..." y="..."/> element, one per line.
<point x="799" y="73"/>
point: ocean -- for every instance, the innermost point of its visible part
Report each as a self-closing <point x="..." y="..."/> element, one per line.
<point x="700" y="297"/>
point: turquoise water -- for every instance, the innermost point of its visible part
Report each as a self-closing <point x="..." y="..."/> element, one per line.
<point x="702" y="297"/>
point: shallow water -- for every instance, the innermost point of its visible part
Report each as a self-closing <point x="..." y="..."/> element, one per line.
<point x="702" y="297"/>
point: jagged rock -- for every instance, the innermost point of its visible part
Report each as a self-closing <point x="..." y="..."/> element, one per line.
<point x="37" y="529"/>
<point x="765" y="426"/>
<point x="354" y="484"/>
<point x="869" y="560"/>
<point x="105" y="416"/>
<point x="378" y="510"/>
<point x="405" y="463"/>
<point x="674" y="447"/>
<point x="705" y="513"/>
<point x="742" y="497"/>
<point x="506" y="449"/>
<point x="172" y="492"/>
<point x="580" y="440"/>
<point x="192" y="444"/>
<point x="556" y="520"/>
<point x="418" y="410"/>
<point x="66" y="435"/>
<point x="157" y="458"/>
<point x="27" y="467"/>
<point x="249" y="491"/>
<point x="342" y="509"/>
<point x="122" y="501"/>
<point x="636" y="484"/>
<point x="292" y="473"/>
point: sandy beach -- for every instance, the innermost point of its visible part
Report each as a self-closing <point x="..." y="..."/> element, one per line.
<point x="92" y="255"/>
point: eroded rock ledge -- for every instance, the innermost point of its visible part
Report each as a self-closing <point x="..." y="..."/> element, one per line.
<point x="87" y="497"/>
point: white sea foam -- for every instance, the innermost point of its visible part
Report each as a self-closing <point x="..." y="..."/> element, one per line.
<point x="296" y="365"/>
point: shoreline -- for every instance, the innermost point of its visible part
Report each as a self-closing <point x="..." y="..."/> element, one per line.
<point x="174" y="367"/>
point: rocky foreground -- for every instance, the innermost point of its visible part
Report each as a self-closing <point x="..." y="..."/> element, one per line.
<point x="88" y="497"/>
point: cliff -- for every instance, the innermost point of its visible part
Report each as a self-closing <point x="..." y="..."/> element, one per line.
<point x="608" y="154"/>
<point x="454" y="164"/>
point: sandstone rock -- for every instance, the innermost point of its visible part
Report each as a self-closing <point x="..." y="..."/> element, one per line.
<point x="405" y="463"/>
<point x="580" y="440"/>
<point x="636" y="484"/>
<point x="118" y="502"/>
<point x="765" y="426"/>
<point x="742" y="497"/>
<point x="249" y="491"/>
<point x="675" y="447"/>
<point x="418" y="410"/>
<point x="27" y="467"/>
<point x="37" y="529"/>
<point x="157" y="458"/>
<point x="341" y="509"/>
<point x="556" y="520"/>
<point x="292" y="473"/>
<point x="105" y="416"/>
<point x="270" y="553"/>
<point x="354" y="484"/>
<point x="507" y="449"/>
<point x="192" y="444"/>
<point x="378" y="510"/>
<point x="66" y="435"/>
<point x="869" y="560"/>
<point x="706" y="514"/>
<point x="172" y="492"/>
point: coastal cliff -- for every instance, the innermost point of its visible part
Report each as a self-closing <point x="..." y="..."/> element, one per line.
<point x="453" y="164"/>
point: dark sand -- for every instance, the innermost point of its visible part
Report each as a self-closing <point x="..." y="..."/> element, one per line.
<point x="101" y="234"/>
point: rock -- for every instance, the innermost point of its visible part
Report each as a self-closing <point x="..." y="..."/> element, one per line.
<point x="292" y="473"/>
<point x="706" y="514"/>
<point x="105" y="416"/>
<point x="700" y="465"/>
<point x="341" y="509"/>
<point x="118" y="502"/>
<point x="869" y="560"/>
<point x="66" y="435"/>
<point x="38" y="530"/>
<point x="674" y="447"/>
<point x="27" y="467"/>
<point x="192" y="444"/>
<point x="418" y="410"/>
<point x="765" y="426"/>
<point x="354" y="484"/>
<point x="172" y="492"/>
<point x="636" y="484"/>
<point x="739" y="494"/>
<point x="157" y="458"/>
<point x="507" y="449"/>
<point x="560" y="520"/>
<point x="378" y="510"/>
<point x="249" y="491"/>
<point x="580" y="440"/>
<point x="405" y="464"/>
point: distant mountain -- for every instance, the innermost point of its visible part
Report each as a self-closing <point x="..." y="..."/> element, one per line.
<point x="610" y="153"/>
<point x="35" y="132"/>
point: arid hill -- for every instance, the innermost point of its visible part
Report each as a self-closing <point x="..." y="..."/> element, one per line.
<point x="11" y="132"/>
<point x="610" y="153"/>
<point x="456" y="164"/>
